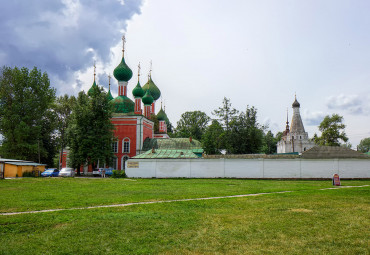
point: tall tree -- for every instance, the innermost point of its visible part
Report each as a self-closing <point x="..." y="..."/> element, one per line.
<point x="27" y="122"/>
<point x="364" y="145"/>
<point x="192" y="124"/>
<point x="226" y="113"/>
<point x="332" y="131"/>
<point x="63" y="109"/>
<point x="91" y="131"/>
<point x="269" y="143"/>
<point x="246" y="134"/>
<point x="212" y="139"/>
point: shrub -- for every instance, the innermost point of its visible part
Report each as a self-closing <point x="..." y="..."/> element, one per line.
<point x="118" y="174"/>
<point x="28" y="174"/>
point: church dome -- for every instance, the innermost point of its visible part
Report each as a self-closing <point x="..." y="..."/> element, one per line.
<point x="122" y="104"/>
<point x="91" y="90"/>
<point x="154" y="90"/>
<point x="295" y="103"/>
<point x="147" y="98"/>
<point x="109" y="96"/>
<point x="138" y="91"/>
<point x="122" y="72"/>
<point x="162" y="115"/>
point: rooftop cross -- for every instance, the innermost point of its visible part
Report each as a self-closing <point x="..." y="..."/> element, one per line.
<point x="94" y="69"/>
<point x="123" y="43"/>
<point x="138" y="72"/>
<point x="150" y="71"/>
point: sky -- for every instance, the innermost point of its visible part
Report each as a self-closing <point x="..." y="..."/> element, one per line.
<point x="256" y="53"/>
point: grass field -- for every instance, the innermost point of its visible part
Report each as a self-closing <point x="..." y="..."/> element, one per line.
<point x="306" y="221"/>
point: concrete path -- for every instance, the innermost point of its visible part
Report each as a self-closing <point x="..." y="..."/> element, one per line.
<point x="166" y="201"/>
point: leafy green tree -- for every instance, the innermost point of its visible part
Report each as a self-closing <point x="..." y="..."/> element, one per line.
<point x="226" y="113"/>
<point x="192" y="124"/>
<point x="332" y="131"/>
<point x="213" y="138"/>
<point x="91" y="131"/>
<point x="63" y="109"/>
<point x="246" y="134"/>
<point x="269" y="143"/>
<point x="364" y="145"/>
<point x="27" y="121"/>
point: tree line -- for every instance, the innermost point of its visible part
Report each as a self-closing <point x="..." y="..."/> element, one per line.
<point x="37" y="125"/>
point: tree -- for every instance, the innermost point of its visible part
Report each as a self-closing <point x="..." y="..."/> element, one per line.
<point x="91" y="131"/>
<point x="63" y="109"/>
<point x="269" y="143"/>
<point x="226" y="113"/>
<point x="364" y="145"/>
<point x="192" y="124"/>
<point x="246" y="134"/>
<point x="212" y="138"/>
<point x="27" y="121"/>
<point x="332" y="131"/>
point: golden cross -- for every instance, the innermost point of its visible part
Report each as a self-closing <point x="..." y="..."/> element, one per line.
<point x="123" y="43"/>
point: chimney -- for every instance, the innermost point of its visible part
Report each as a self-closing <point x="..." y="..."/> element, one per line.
<point x="190" y="139"/>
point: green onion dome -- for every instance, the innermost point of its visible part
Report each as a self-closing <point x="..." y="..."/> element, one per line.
<point x="122" y="104"/>
<point x="154" y="90"/>
<point x="147" y="98"/>
<point x="138" y="91"/>
<point x="122" y="72"/>
<point x="91" y="90"/>
<point x="109" y="96"/>
<point x="162" y="115"/>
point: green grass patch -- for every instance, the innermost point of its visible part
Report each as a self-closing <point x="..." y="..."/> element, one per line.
<point x="307" y="221"/>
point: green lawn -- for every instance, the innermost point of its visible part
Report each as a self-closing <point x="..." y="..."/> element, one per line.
<point x="307" y="221"/>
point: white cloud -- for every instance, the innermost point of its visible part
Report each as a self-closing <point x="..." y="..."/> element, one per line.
<point x="353" y="104"/>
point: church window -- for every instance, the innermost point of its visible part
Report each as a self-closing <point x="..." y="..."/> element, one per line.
<point x="126" y="145"/>
<point x="300" y="137"/>
<point x="113" y="163"/>
<point x="115" y="147"/>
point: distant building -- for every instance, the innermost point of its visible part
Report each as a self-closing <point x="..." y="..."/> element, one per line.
<point x="296" y="138"/>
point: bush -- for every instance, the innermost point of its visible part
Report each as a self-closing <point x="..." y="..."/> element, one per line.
<point x="29" y="174"/>
<point x="118" y="174"/>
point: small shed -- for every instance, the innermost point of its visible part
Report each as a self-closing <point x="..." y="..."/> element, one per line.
<point x="17" y="168"/>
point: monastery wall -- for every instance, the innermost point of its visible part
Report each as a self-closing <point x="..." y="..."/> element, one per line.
<point x="247" y="168"/>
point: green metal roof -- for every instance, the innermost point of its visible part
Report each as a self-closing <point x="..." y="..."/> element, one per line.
<point x="122" y="72"/>
<point x="138" y="91"/>
<point x="171" y="143"/>
<point x="154" y="90"/>
<point x="170" y="154"/>
<point x="109" y="96"/>
<point x="91" y="90"/>
<point x="122" y="104"/>
<point x="162" y="115"/>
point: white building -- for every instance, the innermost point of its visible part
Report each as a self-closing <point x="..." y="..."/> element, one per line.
<point x="294" y="139"/>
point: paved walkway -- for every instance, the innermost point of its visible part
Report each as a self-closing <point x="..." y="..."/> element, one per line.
<point x="167" y="201"/>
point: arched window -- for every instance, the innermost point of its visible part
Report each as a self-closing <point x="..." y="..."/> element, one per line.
<point x="123" y="161"/>
<point x="126" y="145"/>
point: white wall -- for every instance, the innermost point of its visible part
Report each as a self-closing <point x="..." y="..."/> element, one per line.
<point x="249" y="168"/>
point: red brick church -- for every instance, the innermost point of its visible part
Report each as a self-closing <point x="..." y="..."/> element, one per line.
<point x="132" y="119"/>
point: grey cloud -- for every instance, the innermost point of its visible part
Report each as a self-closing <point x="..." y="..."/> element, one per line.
<point x="353" y="104"/>
<point x="313" y="118"/>
<point x="56" y="36"/>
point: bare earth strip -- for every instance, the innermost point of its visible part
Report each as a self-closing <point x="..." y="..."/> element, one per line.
<point x="165" y="201"/>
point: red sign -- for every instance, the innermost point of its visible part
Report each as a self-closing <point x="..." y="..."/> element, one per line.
<point x="336" y="180"/>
